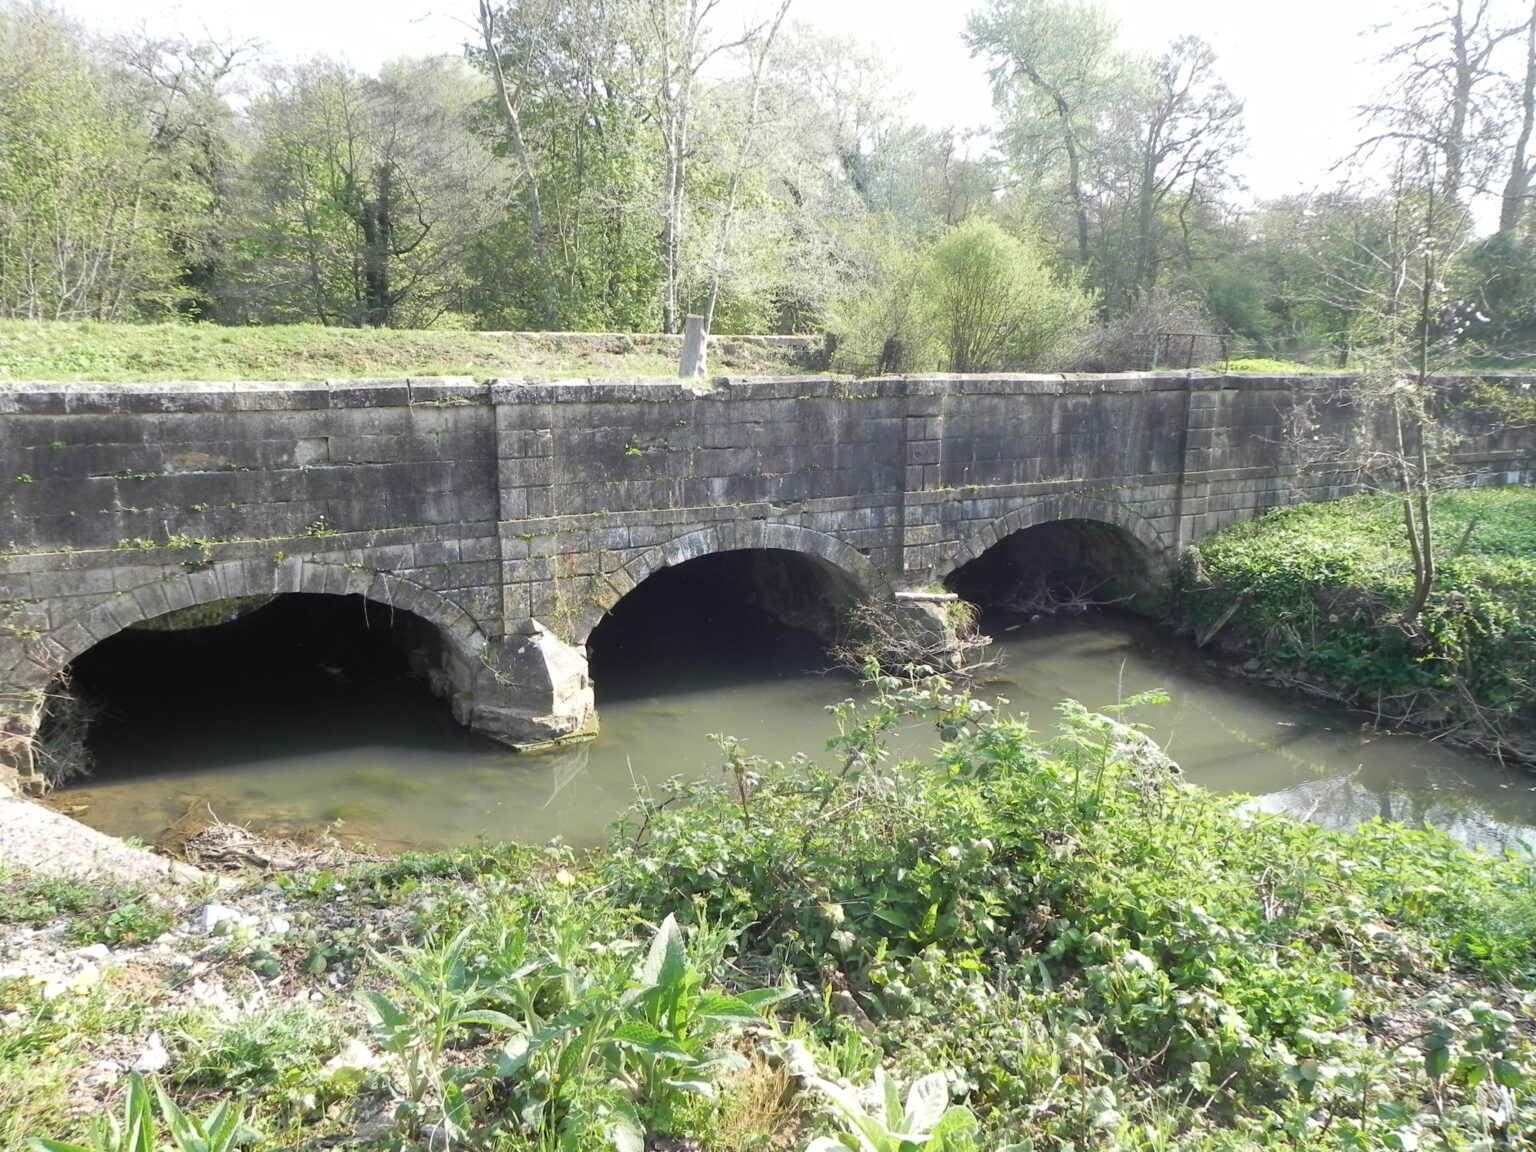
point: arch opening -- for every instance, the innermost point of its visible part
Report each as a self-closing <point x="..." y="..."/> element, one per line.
<point x="223" y="681"/>
<point x="1060" y="567"/>
<point x="726" y="617"/>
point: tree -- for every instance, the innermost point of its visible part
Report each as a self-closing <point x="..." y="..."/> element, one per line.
<point x="1187" y="127"/>
<point x="876" y="317"/>
<point x="1055" y="75"/>
<point x="177" y="87"/>
<point x="1389" y="276"/>
<point x="83" y="233"/>
<point x="1514" y="200"/>
<point x="371" y="191"/>
<point x="1137" y="149"/>
<point x="1445" y="95"/>
<point x="677" y="47"/>
<point x="746" y="142"/>
<point x="511" y="94"/>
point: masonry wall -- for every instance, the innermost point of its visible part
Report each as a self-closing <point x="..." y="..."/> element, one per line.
<point x="107" y="488"/>
<point x="482" y="507"/>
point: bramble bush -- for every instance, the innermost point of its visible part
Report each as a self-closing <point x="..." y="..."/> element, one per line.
<point x="1095" y="950"/>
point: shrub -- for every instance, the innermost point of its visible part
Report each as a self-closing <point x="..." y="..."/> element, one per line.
<point x="992" y="302"/>
<point x="975" y="299"/>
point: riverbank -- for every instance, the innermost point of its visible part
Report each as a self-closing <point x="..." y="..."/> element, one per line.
<point x="1057" y="939"/>
<point x="1319" y="593"/>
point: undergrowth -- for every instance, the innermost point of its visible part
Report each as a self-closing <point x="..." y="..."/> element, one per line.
<point x="1320" y="588"/>
<point x="1041" y="942"/>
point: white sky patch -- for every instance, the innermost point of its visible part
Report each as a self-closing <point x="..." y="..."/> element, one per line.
<point x="1301" y="66"/>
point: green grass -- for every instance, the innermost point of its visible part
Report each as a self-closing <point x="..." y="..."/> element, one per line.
<point x="135" y="353"/>
<point x="1273" y="367"/>
<point x="104" y="911"/>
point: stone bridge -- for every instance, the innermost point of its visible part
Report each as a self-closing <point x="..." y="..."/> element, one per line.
<point x="507" y="518"/>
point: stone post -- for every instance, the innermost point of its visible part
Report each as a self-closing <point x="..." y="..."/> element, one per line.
<point x="695" y="340"/>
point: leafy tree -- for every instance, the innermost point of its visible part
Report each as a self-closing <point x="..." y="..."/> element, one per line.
<point x="1055" y="75"/>
<point x="993" y="303"/>
<point x="1177" y="140"/>
<point x="86" y="211"/>
<point x="678" y="44"/>
<point x="176" y="87"/>
<point x="370" y="192"/>
<point x="571" y="76"/>
<point x="876" y="319"/>
<point x="1135" y="149"/>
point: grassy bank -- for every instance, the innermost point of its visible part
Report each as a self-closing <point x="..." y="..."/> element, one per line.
<point x="1044" y="943"/>
<point x="162" y="352"/>
<point x="1318" y="589"/>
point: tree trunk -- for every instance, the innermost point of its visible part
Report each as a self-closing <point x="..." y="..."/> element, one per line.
<point x="748" y="131"/>
<point x="375" y="221"/>
<point x="1517" y="188"/>
<point x="531" y="199"/>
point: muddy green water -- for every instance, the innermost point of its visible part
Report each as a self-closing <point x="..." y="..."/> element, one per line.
<point x="399" y="774"/>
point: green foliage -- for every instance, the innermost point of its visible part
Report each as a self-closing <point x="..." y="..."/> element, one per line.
<point x="993" y="303"/>
<point x="876" y="318"/>
<point x="973" y="299"/>
<point x="280" y="1049"/>
<point x="925" y="1123"/>
<point x="584" y="1046"/>
<point x="105" y="911"/>
<point x="1057" y="942"/>
<point x="370" y="193"/>
<point x="222" y="1131"/>
<point x="1081" y="937"/>
<point x="1321" y="584"/>
<point x="1259" y="364"/>
<point x="85" y="206"/>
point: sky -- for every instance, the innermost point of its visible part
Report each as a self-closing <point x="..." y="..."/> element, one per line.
<point x="1300" y="65"/>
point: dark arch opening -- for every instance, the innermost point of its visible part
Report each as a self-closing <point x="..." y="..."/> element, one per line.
<point x="222" y="682"/>
<point x="728" y="617"/>
<point x="1059" y="567"/>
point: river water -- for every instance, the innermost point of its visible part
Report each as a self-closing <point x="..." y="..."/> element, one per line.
<point x="391" y="766"/>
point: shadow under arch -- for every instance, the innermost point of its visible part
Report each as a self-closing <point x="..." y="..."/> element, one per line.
<point x="848" y="562"/>
<point x="235" y="580"/>
<point x="438" y="638"/>
<point x="1156" y="547"/>
<point x="707" y="615"/>
<point x="1063" y="554"/>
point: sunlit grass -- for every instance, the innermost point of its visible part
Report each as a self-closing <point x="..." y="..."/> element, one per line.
<point x="137" y="353"/>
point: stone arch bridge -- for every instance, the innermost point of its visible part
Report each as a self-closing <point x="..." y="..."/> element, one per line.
<point x="510" y="516"/>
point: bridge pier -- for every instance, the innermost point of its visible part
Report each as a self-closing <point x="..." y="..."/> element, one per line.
<point x="924" y="628"/>
<point x="530" y="690"/>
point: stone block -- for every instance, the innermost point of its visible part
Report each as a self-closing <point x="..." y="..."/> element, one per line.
<point x="432" y="552"/>
<point x="924" y="452"/>
<point x="381" y="393"/>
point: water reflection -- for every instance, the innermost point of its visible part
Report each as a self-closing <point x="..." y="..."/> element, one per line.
<point x="407" y="779"/>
